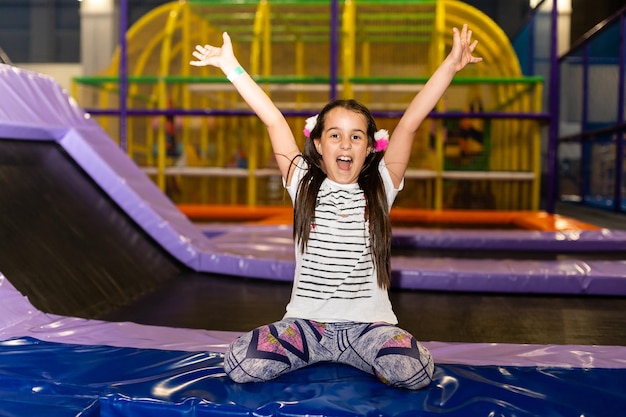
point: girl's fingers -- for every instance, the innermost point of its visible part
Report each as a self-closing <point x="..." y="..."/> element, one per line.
<point x="205" y="53"/>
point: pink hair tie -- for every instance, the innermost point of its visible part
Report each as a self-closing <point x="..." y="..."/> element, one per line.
<point x="309" y="125"/>
<point x="382" y="140"/>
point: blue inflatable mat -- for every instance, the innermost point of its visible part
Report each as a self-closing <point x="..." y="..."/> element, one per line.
<point x="55" y="379"/>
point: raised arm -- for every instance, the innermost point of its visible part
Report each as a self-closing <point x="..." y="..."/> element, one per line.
<point x="399" y="149"/>
<point x="283" y="142"/>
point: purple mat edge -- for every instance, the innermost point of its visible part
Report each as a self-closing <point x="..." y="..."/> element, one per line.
<point x="19" y="318"/>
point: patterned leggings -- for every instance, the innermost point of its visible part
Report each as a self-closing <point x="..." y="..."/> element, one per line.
<point x="381" y="349"/>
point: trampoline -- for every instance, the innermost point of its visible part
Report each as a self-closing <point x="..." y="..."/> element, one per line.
<point x="86" y="233"/>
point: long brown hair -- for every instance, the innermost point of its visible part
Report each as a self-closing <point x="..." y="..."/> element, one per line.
<point x="376" y="207"/>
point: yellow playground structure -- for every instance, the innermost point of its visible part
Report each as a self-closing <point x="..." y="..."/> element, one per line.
<point x="479" y="150"/>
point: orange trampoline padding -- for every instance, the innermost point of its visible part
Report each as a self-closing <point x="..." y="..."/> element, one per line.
<point x="529" y="220"/>
<point x="235" y="213"/>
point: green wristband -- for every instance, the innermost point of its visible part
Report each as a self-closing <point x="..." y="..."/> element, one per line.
<point x="236" y="72"/>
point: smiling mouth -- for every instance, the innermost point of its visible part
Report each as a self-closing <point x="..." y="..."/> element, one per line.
<point x="344" y="163"/>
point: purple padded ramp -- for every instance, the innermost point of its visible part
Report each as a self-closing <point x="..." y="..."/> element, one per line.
<point x="512" y="240"/>
<point x="35" y="108"/>
<point x="568" y="276"/>
<point x="19" y="318"/>
<point x="604" y="240"/>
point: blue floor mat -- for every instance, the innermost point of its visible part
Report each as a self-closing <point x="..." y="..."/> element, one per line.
<point x="55" y="379"/>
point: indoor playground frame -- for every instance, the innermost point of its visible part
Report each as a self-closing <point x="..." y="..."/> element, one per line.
<point x="357" y="46"/>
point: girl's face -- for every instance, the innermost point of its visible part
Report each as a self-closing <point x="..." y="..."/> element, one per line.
<point x="343" y="145"/>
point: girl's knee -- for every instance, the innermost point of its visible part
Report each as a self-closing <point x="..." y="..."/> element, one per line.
<point x="253" y="370"/>
<point x="255" y="357"/>
<point x="234" y="357"/>
<point x="410" y="367"/>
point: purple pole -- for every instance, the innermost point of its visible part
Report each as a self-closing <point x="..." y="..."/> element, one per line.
<point x="585" y="141"/>
<point x="334" y="47"/>
<point x="123" y="72"/>
<point x="554" y="112"/>
<point x="532" y="26"/>
<point x="619" y="150"/>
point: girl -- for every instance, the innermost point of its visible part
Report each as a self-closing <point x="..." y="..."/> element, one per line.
<point x="342" y="186"/>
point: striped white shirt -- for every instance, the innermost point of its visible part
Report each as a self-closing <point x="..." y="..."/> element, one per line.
<point x="335" y="279"/>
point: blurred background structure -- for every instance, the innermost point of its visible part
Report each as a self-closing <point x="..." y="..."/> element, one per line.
<point x="489" y="145"/>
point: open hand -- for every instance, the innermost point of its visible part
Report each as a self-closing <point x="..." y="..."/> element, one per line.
<point x="215" y="56"/>
<point x="462" y="48"/>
